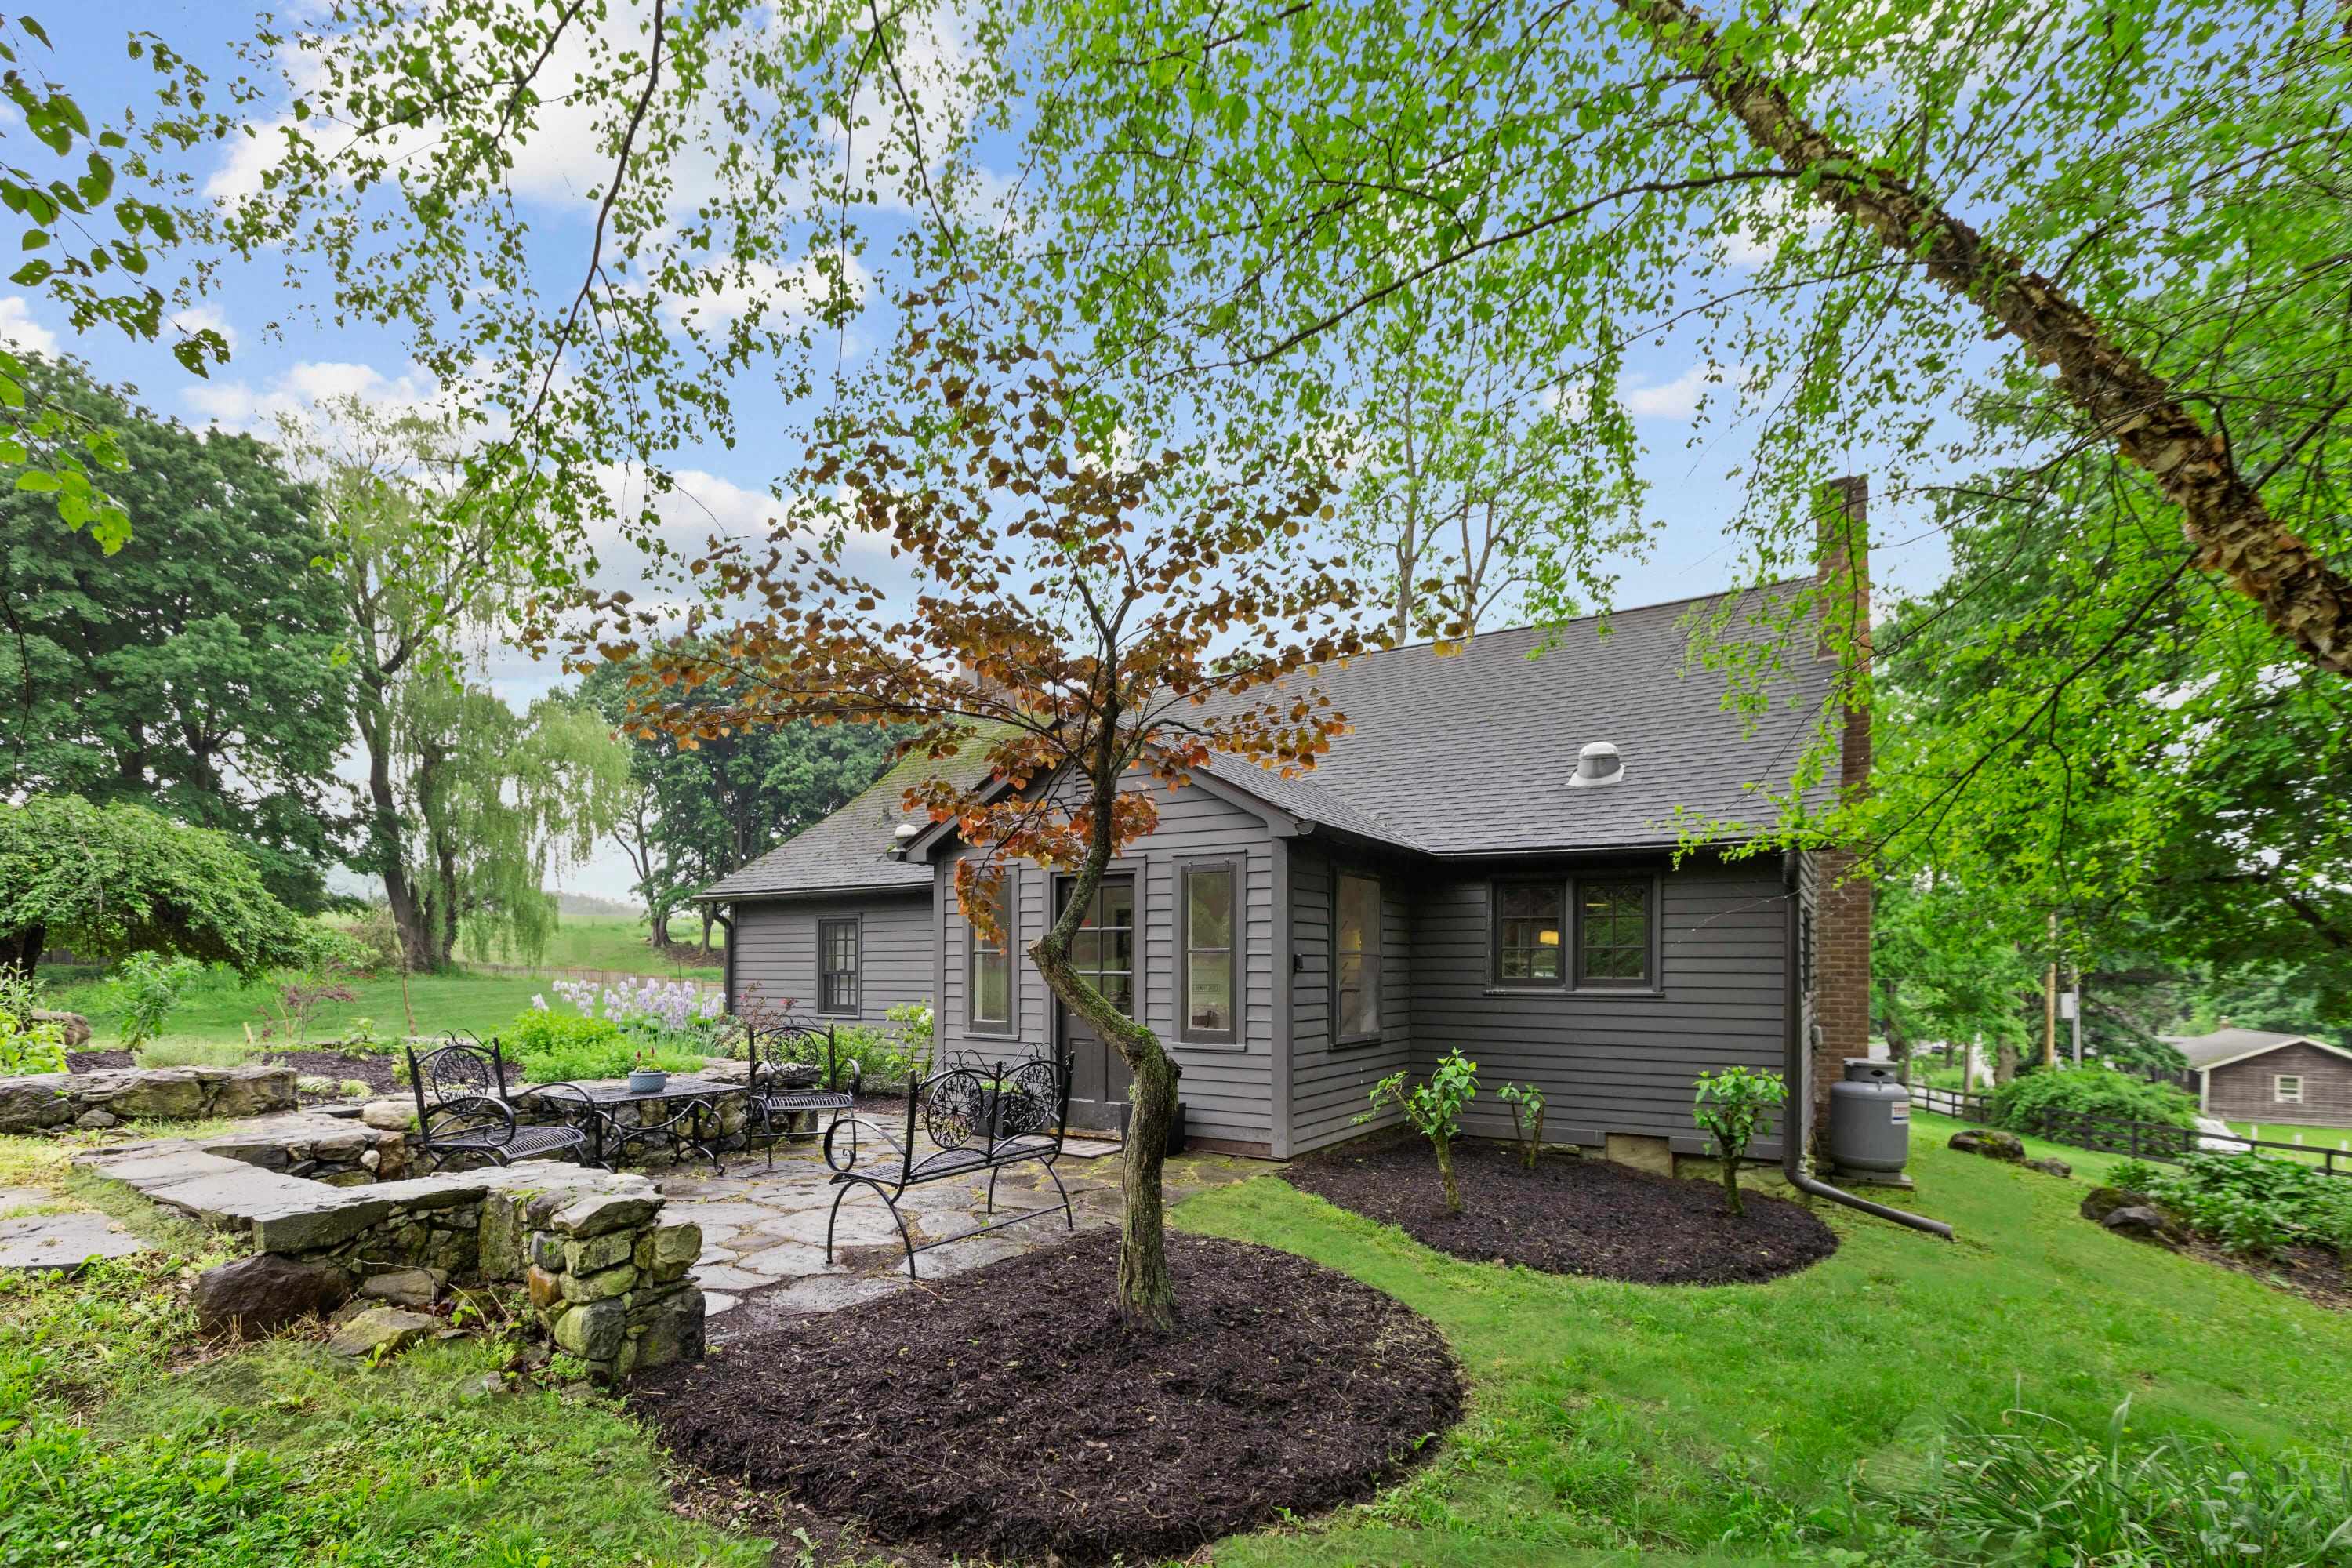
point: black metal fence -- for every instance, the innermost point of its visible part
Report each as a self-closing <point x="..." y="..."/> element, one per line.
<point x="2156" y="1140"/>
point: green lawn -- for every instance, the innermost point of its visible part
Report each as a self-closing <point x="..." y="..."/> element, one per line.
<point x="220" y="1008"/>
<point x="611" y="941"/>
<point x="1681" y="1425"/>
<point x="2337" y="1138"/>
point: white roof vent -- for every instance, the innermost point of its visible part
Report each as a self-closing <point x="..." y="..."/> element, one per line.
<point x="1597" y="764"/>
<point x="905" y="831"/>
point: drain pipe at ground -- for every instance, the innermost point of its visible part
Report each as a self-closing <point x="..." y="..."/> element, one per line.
<point x="1797" y="1129"/>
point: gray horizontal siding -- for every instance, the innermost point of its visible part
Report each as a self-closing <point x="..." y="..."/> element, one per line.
<point x="1608" y="1063"/>
<point x="1227" y="1090"/>
<point x="776" y="952"/>
<point x="1331" y="1084"/>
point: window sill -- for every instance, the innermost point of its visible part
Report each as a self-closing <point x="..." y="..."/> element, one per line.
<point x="1359" y="1042"/>
<point x="1579" y="993"/>
<point x="1232" y="1048"/>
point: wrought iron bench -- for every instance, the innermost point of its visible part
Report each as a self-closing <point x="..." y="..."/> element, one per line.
<point x="463" y="1108"/>
<point x="977" y="1118"/>
<point x="775" y="1054"/>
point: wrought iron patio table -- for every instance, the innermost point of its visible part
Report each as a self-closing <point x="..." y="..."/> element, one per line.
<point x="692" y="1128"/>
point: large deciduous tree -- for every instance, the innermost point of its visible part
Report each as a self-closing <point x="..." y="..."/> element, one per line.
<point x="1102" y="631"/>
<point x="198" y="669"/>
<point x="113" y="879"/>
<point x="702" y="811"/>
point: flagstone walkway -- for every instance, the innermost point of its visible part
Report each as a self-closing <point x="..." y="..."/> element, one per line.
<point x="763" y="1232"/>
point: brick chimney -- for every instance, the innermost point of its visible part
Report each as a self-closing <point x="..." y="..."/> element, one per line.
<point x="1840" y="996"/>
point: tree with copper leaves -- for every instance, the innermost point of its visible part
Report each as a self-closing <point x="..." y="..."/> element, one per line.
<point x="1099" y="627"/>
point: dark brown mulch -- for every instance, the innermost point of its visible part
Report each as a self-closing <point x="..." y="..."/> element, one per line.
<point x="2313" y="1273"/>
<point x="1004" y="1411"/>
<point x="1570" y="1216"/>
<point x="373" y="1071"/>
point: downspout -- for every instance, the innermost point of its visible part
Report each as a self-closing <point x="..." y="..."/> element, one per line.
<point x="1796" y="1137"/>
<point x="726" y="966"/>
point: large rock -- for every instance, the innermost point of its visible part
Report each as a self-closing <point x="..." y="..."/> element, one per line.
<point x="2051" y="1167"/>
<point x="75" y="1026"/>
<point x="2143" y="1222"/>
<point x="63" y="1242"/>
<point x="266" y="1292"/>
<point x="1991" y="1142"/>
<point x="381" y="1330"/>
<point x="594" y="1332"/>
<point x="165" y="1094"/>
<point x="253" y="1091"/>
<point x="673" y="1331"/>
<point x="2101" y="1202"/>
<point x="404" y="1287"/>
<point x="34" y="1102"/>
<point x="390" y="1115"/>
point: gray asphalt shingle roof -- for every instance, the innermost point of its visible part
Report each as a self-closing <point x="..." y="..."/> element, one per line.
<point x="1469" y="753"/>
<point x="2224" y="1044"/>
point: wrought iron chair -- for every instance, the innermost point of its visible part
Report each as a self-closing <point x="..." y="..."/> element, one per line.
<point x="977" y="1118"/>
<point x="775" y="1103"/>
<point x="463" y="1108"/>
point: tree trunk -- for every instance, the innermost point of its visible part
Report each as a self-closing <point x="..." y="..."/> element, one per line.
<point x="2222" y="516"/>
<point x="387" y="846"/>
<point x="1730" y="1177"/>
<point x="1445" y="1147"/>
<point x="1898" y="1038"/>
<point x="25" y="947"/>
<point x="2004" y="1063"/>
<point x="1147" y="1292"/>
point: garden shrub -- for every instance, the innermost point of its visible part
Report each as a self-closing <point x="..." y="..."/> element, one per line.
<point x="2020" y="1103"/>
<point x="2250" y="1202"/>
<point x="1732" y="1106"/>
<point x="1434" y="1109"/>
<point x="658" y="1014"/>
<point x="1527" y="1104"/>
<point x="148" y="988"/>
<point x="2045" y="1493"/>
<point x="553" y="1048"/>
<point x="193" y="1054"/>
<point x="26" y="1046"/>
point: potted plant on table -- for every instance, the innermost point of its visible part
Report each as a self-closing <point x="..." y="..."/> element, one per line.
<point x="644" y="1078"/>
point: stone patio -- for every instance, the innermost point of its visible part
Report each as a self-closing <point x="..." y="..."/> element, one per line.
<point x="763" y="1233"/>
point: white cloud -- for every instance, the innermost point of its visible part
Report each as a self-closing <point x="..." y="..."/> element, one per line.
<point x="1679" y="398"/>
<point x="19" y="328"/>
<point x="297" y="393"/>
<point x="782" y="293"/>
<point x="198" y="318"/>
<point x="1764" y="219"/>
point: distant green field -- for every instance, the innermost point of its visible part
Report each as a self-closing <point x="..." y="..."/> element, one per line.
<point x="221" y="1009"/>
<point x="2337" y="1138"/>
<point x="610" y="942"/>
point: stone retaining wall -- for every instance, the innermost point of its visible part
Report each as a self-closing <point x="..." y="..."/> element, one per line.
<point x="608" y="1278"/>
<point x="111" y="1095"/>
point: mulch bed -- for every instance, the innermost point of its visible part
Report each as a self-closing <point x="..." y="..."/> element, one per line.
<point x="1004" y="1411"/>
<point x="1570" y="1216"/>
<point x="374" y="1072"/>
<point x="2313" y="1273"/>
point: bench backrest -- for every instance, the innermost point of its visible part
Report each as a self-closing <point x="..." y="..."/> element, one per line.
<point x="449" y="1075"/>
<point x="984" y="1107"/>
<point x="792" y="1041"/>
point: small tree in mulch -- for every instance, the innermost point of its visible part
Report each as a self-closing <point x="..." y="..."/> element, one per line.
<point x="1733" y="1106"/>
<point x="1527" y="1104"/>
<point x="1434" y="1109"/>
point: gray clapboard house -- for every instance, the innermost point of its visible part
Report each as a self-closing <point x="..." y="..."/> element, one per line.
<point x="1458" y="871"/>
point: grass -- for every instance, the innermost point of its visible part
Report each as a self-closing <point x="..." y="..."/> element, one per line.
<point x="123" y="1442"/>
<point x="612" y="941"/>
<point x="219" y="1009"/>
<point x="1731" y="1423"/>
<point x="1609" y="1424"/>
<point x="2337" y="1138"/>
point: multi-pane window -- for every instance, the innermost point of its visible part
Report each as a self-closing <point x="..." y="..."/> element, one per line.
<point x="1209" y="952"/>
<point x="1103" y="949"/>
<point x="990" y="1006"/>
<point x="1612" y="931"/>
<point x="2288" y="1088"/>
<point x="837" y="956"/>
<point x="1528" y="920"/>
<point x="1355" y="950"/>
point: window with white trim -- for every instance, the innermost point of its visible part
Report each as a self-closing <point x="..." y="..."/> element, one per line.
<point x="1209" y="980"/>
<point x="2286" y="1089"/>
<point x="989" y="1004"/>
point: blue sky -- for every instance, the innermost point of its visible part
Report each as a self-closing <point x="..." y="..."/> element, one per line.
<point x="283" y="360"/>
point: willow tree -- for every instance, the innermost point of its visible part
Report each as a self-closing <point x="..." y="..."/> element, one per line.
<point x="1100" y="627"/>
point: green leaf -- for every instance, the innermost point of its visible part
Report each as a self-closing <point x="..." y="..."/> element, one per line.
<point x="31" y="273"/>
<point x="40" y="482"/>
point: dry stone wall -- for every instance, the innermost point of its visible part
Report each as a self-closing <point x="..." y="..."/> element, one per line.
<point x="112" y="1095"/>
